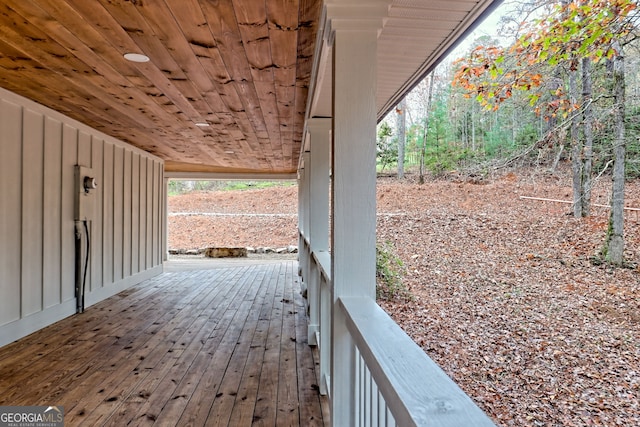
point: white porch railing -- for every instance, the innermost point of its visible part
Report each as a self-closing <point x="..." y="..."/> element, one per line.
<point x="396" y="383"/>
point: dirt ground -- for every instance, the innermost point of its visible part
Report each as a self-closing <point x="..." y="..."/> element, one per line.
<point x="504" y="295"/>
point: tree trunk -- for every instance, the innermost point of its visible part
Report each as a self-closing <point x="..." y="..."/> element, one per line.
<point x="576" y="150"/>
<point x="423" y="150"/>
<point x="614" y="245"/>
<point x="473" y="127"/>
<point x="554" y="166"/>
<point x="587" y="153"/>
<point x="402" y="135"/>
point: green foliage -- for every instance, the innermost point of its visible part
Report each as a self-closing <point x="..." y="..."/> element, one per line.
<point x="438" y="132"/>
<point x="175" y="187"/>
<point x="632" y="127"/>
<point x="181" y="186"/>
<point x="251" y="185"/>
<point x="497" y="142"/>
<point x="387" y="147"/>
<point x="445" y="158"/>
<point x="526" y="136"/>
<point x="389" y="271"/>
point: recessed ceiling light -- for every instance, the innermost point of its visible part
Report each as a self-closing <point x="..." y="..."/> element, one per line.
<point x="136" y="57"/>
<point x="203" y="124"/>
<point x="230" y="152"/>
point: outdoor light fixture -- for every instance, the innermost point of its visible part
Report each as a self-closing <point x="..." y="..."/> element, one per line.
<point x="136" y="57"/>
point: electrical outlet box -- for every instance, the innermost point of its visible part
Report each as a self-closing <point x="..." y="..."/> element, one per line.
<point x="85" y="190"/>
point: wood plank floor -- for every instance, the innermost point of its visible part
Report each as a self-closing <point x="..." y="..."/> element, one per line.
<point x="197" y="347"/>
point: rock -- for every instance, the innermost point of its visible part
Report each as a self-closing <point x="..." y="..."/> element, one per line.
<point x="192" y="252"/>
<point x="260" y="251"/>
<point x="225" y="252"/>
<point x="251" y="250"/>
<point x="281" y="250"/>
<point x="268" y="250"/>
<point x="292" y="249"/>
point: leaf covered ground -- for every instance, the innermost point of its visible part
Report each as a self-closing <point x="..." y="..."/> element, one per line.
<point x="505" y="296"/>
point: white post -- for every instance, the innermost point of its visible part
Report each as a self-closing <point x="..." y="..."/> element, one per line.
<point x="302" y="233"/>
<point x="165" y="222"/>
<point x="303" y="219"/>
<point x="306" y="200"/>
<point x="353" y="195"/>
<point x="318" y="169"/>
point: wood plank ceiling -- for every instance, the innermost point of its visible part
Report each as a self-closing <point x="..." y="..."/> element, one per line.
<point x="225" y="89"/>
<point x="226" y="86"/>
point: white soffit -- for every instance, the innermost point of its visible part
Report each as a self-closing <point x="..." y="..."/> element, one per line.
<point x="415" y="37"/>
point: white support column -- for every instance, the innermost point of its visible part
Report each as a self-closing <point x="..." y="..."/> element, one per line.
<point x="300" y="197"/>
<point x="303" y="220"/>
<point x="302" y="253"/>
<point x="306" y="199"/>
<point x="165" y="222"/>
<point x="320" y="166"/>
<point x="353" y="195"/>
<point x="318" y="169"/>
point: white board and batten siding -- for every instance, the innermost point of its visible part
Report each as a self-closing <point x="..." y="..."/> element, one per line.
<point x="38" y="150"/>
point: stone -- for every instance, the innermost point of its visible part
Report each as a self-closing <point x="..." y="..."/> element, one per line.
<point x="225" y="252"/>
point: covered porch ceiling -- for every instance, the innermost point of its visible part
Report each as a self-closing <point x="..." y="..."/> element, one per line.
<point x="229" y="83"/>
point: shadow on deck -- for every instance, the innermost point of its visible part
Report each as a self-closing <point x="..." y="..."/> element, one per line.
<point x="210" y="344"/>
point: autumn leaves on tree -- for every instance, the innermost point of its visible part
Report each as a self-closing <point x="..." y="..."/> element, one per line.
<point x="543" y="63"/>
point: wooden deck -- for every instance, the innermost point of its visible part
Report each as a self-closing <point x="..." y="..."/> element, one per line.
<point x="215" y="347"/>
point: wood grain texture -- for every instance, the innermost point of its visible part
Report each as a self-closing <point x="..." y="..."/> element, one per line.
<point x="224" y="63"/>
<point x="199" y="347"/>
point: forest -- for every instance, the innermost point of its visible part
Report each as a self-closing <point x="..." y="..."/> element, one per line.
<point x="558" y="82"/>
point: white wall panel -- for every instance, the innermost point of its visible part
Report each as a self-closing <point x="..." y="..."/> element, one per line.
<point x="118" y="212"/>
<point x="69" y="159"/>
<point x="32" y="211"/>
<point x="52" y="231"/>
<point x="135" y="212"/>
<point x="97" y="164"/>
<point x="107" y="210"/>
<point x="156" y="193"/>
<point x="126" y="220"/>
<point x="149" y="193"/>
<point x="10" y="210"/>
<point x="143" y="214"/>
<point x="84" y="149"/>
<point x="38" y="151"/>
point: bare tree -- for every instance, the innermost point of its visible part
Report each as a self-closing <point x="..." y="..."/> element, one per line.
<point x="613" y="250"/>
<point x="587" y="128"/>
<point x="402" y="135"/>
<point x="423" y="149"/>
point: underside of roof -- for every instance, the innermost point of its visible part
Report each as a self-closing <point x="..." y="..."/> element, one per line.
<point x="228" y="84"/>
